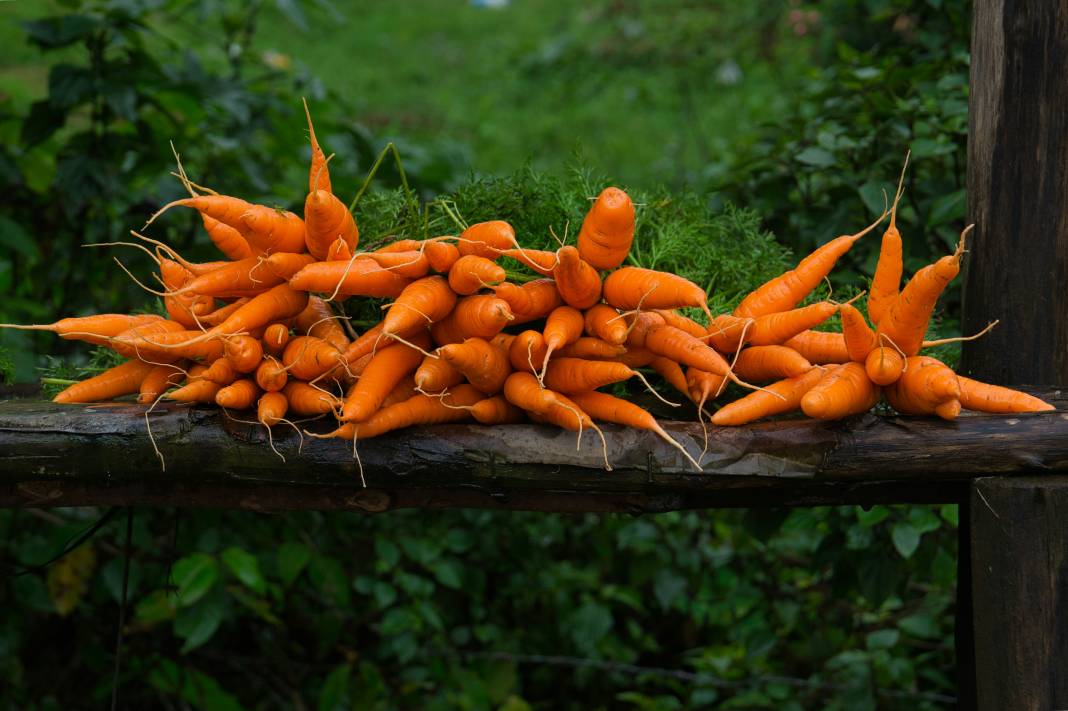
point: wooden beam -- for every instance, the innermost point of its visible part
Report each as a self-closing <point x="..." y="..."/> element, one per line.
<point x="1019" y="581"/>
<point x="54" y="455"/>
<point x="1017" y="268"/>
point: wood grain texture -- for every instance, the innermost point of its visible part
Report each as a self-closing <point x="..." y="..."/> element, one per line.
<point x="1020" y="592"/>
<point x="1017" y="268"/>
<point x="55" y="455"/>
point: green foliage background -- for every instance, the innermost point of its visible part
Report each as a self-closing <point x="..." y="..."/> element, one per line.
<point x="729" y="123"/>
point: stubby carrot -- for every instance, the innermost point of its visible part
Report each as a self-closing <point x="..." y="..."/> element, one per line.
<point x="579" y="283"/>
<point x="842" y="391"/>
<point x="607" y="230"/>
<point x="633" y="287"/>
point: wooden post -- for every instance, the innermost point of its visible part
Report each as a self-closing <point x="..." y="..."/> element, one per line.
<point x="1017" y="269"/>
<point x="1019" y="581"/>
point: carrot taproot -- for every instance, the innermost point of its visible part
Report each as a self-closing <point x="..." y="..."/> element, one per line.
<point x="276" y="304"/>
<point x="220" y="372"/>
<point x="403" y="390"/>
<point x="496" y="410"/>
<point x="820" y="347"/>
<point x="123" y="379"/>
<point x="764" y="403"/>
<point x="308" y="357"/>
<point x="476" y="316"/>
<point x="242" y="278"/>
<point x="487" y="239"/>
<point x="531" y="301"/>
<point x="166" y="346"/>
<point x="905" y="322"/>
<point x="423" y="302"/>
<point x="859" y="338"/>
<point x="925" y="386"/>
<point x="674" y="318"/>
<point x="777" y="328"/>
<point x="784" y="292"/>
<point x="269" y="230"/>
<point x="484" y="365"/>
<point x="604" y="322"/>
<point x="386" y="368"/>
<point x="271" y="375"/>
<point x="539" y="260"/>
<point x="761" y="364"/>
<point x="338" y="251"/>
<point x="563" y="326"/>
<point x="503" y="340"/>
<point x="318" y="320"/>
<point x="703" y="386"/>
<point x="159" y="380"/>
<point x="579" y="283"/>
<point x="471" y="273"/>
<point x="227" y="210"/>
<point x="842" y="391"/>
<point x="229" y="240"/>
<point x="222" y="313"/>
<point x="887" y="279"/>
<point x="196" y="390"/>
<point x="884" y="365"/>
<point x="185" y="308"/>
<point x="355" y="277"/>
<point x="528" y="349"/>
<point x="984" y="397"/>
<point x="650" y="331"/>
<point x="441" y="254"/>
<point x="574" y="375"/>
<point x="592" y="349"/>
<point x="94" y="329"/>
<point x="630" y="288"/>
<point x="307" y="400"/>
<point x="435" y="374"/>
<point x="238" y="395"/>
<point x="416" y="410"/>
<point x="400" y="245"/>
<point x="271" y="408"/>
<point x="637" y="357"/>
<point x="607" y="231"/>
<point x="243" y="352"/>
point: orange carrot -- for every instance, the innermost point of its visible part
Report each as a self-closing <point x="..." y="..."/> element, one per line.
<point x="230" y="241"/>
<point x="185" y="308"/>
<point x="401" y="245"/>
<point x="484" y="365"/>
<point x="563" y="326"/>
<point x="607" y="230"/>
<point x="271" y="375"/>
<point x="592" y="349"/>
<point x="121" y="380"/>
<point x="167" y="346"/>
<point x="926" y="387"/>
<point x="531" y="301"/>
<point x="573" y="375"/>
<point x="786" y="291"/>
<point x="423" y="302"/>
<point x="761" y="364"/>
<point x="358" y="277"/>
<point x="222" y="313"/>
<point x="220" y="372"/>
<point x="541" y="261"/>
<point x="496" y="410"/>
<point x="196" y="390"/>
<point x="759" y="404"/>
<point x="402" y="391"/>
<point x="842" y="391"/>
<point x="725" y="332"/>
<point x="319" y="173"/>
<point x="604" y="322"/>
<point x="308" y="357"/>
<point x="243" y="352"/>
<point x="227" y="210"/>
<point x="275" y="338"/>
<point x="820" y="347"/>
<point x="651" y="332"/>
<point x="91" y="329"/>
<point x="441" y="255"/>
<point x="271" y="408"/>
<point x="983" y="397"/>
<point x="684" y="323"/>
<point x="385" y="369"/>
<point x="471" y="273"/>
<point x="435" y="374"/>
<point x="637" y="357"/>
<point x="487" y="239"/>
<point x="633" y="287"/>
<point x="285" y="264"/>
<point x="318" y="320"/>
<point x="503" y="341"/>
<point x="905" y="322"/>
<point x="478" y="316"/>
<point x="326" y="219"/>
<point x="417" y="410"/>
<point x="239" y="395"/>
<point x="527" y="351"/>
<point x="887" y="279"/>
<point x="859" y="338"/>
<point x="158" y="380"/>
<point x="703" y="386"/>
<point x="410" y="265"/>
<point x="579" y="284"/>
<point x="884" y="365"/>
<point x="269" y="230"/>
<point x="671" y="372"/>
<point x="307" y="400"/>
<point x="777" y="328"/>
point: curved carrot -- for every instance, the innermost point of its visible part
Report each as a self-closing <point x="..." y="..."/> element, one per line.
<point x="158" y="381"/>
<point x="672" y="373"/>
<point x="471" y="273"/>
<point x="487" y="239"/>
<point x="604" y="322"/>
<point x="318" y="320"/>
<point x="887" y="279"/>
<point x="423" y="302"/>
<point x="386" y="368"/>
<point x="859" y="338"/>
<point x="563" y="326"/>
<point x="531" y="301"/>
<point x="229" y="240"/>
<point x="416" y="410"/>
<point x="579" y="283"/>
<point x="541" y="261"/>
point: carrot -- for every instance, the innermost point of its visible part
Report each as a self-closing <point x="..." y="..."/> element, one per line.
<point x="227" y="210"/>
<point x="239" y="395"/>
<point x="243" y="352"/>
<point x="887" y="279"/>
<point x="859" y="338"/>
<point x="637" y="357"/>
<point x="820" y="347"/>
<point x="246" y="277"/>
<point x="271" y="408"/>
<point x="703" y="386"/>
<point x="592" y="349"/>
<point x="410" y="265"/>
<point x="503" y="341"/>
<point x="318" y="320"/>
<point x="671" y="372"/>
<point x="416" y="410"/>
<point x="526" y="350"/>
<point x="308" y="357"/>
<point x="541" y="261"/>
<point x="196" y="390"/>
<point x="184" y="308"/>
<point x="276" y="304"/>
<point x="91" y="329"/>
<point x="123" y="379"/>
<point x="607" y="230"/>
<point x="983" y="397"/>
<point x="604" y="407"/>
<point x="684" y="323"/>
<point x="524" y="391"/>
<point x="573" y="375"/>
<point x="633" y="287"/>
<point x="222" y="313"/>
<point x="484" y="365"/>
<point x="496" y="410"/>
<point x="307" y="400"/>
<point x="478" y="316"/>
<point x="229" y="240"/>
<point x="441" y="255"/>
<point x="385" y="369"/>
<point x="435" y="374"/>
<point x="651" y="332"/>
<point x="760" y="404"/>
<point x="158" y="381"/>
<point x="562" y="327"/>
<point x="423" y="302"/>
<point x="531" y="301"/>
<point x="884" y="365"/>
<point x="402" y="391"/>
<point x="926" y="387"/>
<point x="841" y="392"/>
<point x="271" y="375"/>
<point x="725" y="332"/>
<point x="166" y="346"/>
<point x="356" y="277"/>
<point x="275" y="338"/>
<point x="285" y="264"/>
<point x="786" y="291"/>
<point x="766" y="363"/>
<point x="579" y="284"/>
<point x="269" y="230"/>
<point x="338" y="251"/>
<point x="319" y="173"/>
<point x="487" y="239"/>
<point x="602" y="321"/>
<point x="401" y="245"/>
<point x="777" y="328"/>
<point x="471" y="273"/>
<point x="220" y="372"/>
<point x="905" y="322"/>
<point x="327" y="219"/>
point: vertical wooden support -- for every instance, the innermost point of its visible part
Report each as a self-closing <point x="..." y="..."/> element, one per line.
<point x="1019" y="541"/>
<point x="1017" y="270"/>
<point x="963" y="630"/>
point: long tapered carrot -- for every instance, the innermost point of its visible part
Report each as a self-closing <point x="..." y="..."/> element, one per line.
<point x="574" y="375"/>
<point x="416" y="410"/>
<point x="229" y="240"/>
<point x="318" y="320"/>
<point x="355" y="277"/>
<point x="269" y="230"/>
<point x="159" y="380"/>
<point x="671" y="372"/>
<point x="579" y="283"/>
<point x="887" y="279"/>
<point x="318" y="172"/>
<point x="984" y="397"/>
<point x="842" y="391"/>
<point x="123" y="379"/>
<point x="602" y="321"/>
<point x="563" y="326"/>
<point x="91" y="329"/>
<point x="308" y="357"/>
<point x="633" y="287"/>
<point x="860" y="340"/>
<point x="777" y="328"/>
<point x="385" y="369"/>
<point x="760" y="404"/>
<point x="651" y="332"/>
<point x="786" y="291"/>
<point x="227" y="210"/>
<point x="607" y="230"/>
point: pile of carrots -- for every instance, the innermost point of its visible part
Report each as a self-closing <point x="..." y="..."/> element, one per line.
<point x="459" y="341"/>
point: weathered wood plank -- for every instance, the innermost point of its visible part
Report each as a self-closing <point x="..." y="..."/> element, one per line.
<point x="1018" y="192"/>
<point x="54" y="455"/>
<point x="1019" y="538"/>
